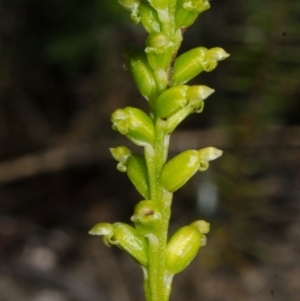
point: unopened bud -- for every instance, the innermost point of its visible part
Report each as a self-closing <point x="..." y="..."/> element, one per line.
<point x="149" y="18"/>
<point x="125" y="237"/>
<point x="184" y="246"/>
<point x="135" y="124"/>
<point x="171" y="101"/>
<point x="182" y="167"/>
<point x="142" y="72"/>
<point x="128" y="239"/>
<point x="193" y="62"/>
<point x="179" y="170"/>
<point x="188" y="10"/>
<point x="138" y="174"/>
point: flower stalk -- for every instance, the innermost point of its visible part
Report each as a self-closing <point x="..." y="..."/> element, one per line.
<point x="162" y="79"/>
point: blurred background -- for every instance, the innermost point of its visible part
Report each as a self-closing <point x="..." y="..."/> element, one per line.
<point x="61" y="76"/>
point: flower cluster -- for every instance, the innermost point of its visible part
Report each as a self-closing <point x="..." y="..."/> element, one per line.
<point x="162" y="79"/>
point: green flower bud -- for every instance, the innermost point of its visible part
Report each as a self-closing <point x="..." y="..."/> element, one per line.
<point x="147" y="217"/>
<point x="171" y="101"/>
<point x="135" y="124"/>
<point x="193" y="62"/>
<point x="138" y="174"/>
<point x="188" y="10"/>
<point x="133" y="6"/>
<point x="184" y="246"/>
<point x="149" y="18"/>
<point x="128" y="239"/>
<point x="179" y="170"/>
<point x="176" y="109"/>
<point x="121" y="154"/>
<point x="182" y="167"/>
<point x="142" y="73"/>
<point x="159" y="51"/>
<point x="125" y="237"/>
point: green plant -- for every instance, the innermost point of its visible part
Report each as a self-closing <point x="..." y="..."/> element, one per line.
<point x="161" y="79"/>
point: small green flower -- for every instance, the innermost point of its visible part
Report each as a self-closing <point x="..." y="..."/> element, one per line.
<point x="135" y="166"/>
<point x="188" y="10"/>
<point x="184" y="246"/>
<point x="138" y="174"/>
<point x="179" y="170"/>
<point x="149" y="18"/>
<point x="183" y="166"/>
<point x="193" y="62"/>
<point x="171" y="102"/>
<point x="125" y="237"/>
<point x="135" y="124"/>
<point x="141" y="71"/>
<point x="147" y="217"/>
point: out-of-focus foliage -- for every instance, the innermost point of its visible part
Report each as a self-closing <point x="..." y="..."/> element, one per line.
<point x="57" y="59"/>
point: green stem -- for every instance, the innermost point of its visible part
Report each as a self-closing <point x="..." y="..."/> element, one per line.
<point x="157" y="284"/>
<point x="156" y="158"/>
<point x="152" y="172"/>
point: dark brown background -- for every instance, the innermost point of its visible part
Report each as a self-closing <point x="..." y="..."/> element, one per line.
<point x="61" y="76"/>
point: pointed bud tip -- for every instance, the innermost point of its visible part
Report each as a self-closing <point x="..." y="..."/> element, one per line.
<point x="206" y="91"/>
<point x="199" y="92"/>
<point x="101" y="229"/>
<point x="218" y="54"/>
<point x="210" y="153"/>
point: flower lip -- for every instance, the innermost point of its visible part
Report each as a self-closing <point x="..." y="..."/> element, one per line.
<point x="209" y="153"/>
<point x="218" y="54"/>
<point x="102" y="229"/>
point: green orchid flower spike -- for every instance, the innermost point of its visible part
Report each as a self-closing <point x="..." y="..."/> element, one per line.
<point x="162" y="79"/>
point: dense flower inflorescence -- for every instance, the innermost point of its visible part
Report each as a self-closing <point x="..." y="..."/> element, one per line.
<point x="162" y="79"/>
